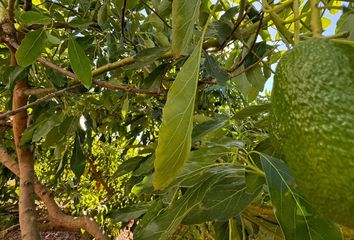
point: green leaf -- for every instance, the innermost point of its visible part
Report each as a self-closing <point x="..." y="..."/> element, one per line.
<point x="224" y="200"/>
<point x="80" y="63"/>
<point x="208" y="127"/>
<point x="31" y="47"/>
<point x="128" y="166"/>
<point x="214" y="70"/>
<point x="174" y="141"/>
<point x="296" y="217"/>
<point x="16" y="73"/>
<point x="251" y="111"/>
<point x="43" y="129"/>
<point x="184" y="14"/>
<point x="153" y="80"/>
<point x="31" y="17"/>
<point x="162" y="225"/>
<point x="78" y="161"/>
<point x="128" y="213"/>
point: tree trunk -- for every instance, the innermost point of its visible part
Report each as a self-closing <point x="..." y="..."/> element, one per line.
<point x="27" y="211"/>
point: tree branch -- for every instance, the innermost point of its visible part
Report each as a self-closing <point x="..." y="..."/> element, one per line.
<point x="37" y="102"/>
<point x="54" y="212"/>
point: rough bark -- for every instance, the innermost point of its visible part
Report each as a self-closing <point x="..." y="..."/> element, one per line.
<point x="55" y="215"/>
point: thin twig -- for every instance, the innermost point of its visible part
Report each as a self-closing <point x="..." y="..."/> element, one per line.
<point x="153" y="10"/>
<point x="236" y="66"/>
<point x="38" y="101"/>
<point x="250" y="66"/>
<point x="27" y="5"/>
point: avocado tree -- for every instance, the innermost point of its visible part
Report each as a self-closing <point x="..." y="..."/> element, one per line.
<point x="154" y="115"/>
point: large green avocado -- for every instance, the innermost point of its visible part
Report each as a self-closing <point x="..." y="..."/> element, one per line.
<point x="313" y="123"/>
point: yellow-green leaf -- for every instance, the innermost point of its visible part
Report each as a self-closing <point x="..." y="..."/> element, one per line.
<point x="31" y="47"/>
<point x="80" y="63"/>
<point x="177" y="122"/>
<point x="184" y="14"/>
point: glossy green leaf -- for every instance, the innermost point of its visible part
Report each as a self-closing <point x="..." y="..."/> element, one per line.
<point x="78" y="160"/>
<point x="32" y="17"/>
<point x="224" y="200"/>
<point x="80" y="63"/>
<point x="184" y="14"/>
<point x="153" y="80"/>
<point x="296" y="217"/>
<point x="162" y="225"/>
<point x="31" y="47"/>
<point x="174" y="141"/>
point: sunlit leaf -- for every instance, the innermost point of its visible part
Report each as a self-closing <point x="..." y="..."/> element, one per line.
<point x="32" y="17"/>
<point x="184" y="14"/>
<point x="31" y="47"/>
<point x="174" y="141"/>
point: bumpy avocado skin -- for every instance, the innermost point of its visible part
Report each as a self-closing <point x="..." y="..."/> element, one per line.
<point x="313" y="123"/>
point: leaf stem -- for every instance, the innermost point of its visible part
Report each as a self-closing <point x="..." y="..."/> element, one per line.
<point x="316" y="25"/>
<point x="297" y="22"/>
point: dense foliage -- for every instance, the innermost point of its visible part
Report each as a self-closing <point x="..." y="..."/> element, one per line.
<point x="156" y="111"/>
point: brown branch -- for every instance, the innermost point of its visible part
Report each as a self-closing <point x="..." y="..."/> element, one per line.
<point x="27" y="5"/>
<point x="126" y="88"/>
<point x="37" y="102"/>
<point x="250" y="66"/>
<point x="56" y="216"/>
<point x="11" y="10"/>
<point x="236" y="66"/>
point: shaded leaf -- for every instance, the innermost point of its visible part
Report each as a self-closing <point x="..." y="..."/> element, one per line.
<point x="43" y="129"/>
<point x="251" y="110"/>
<point x="80" y="63"/>
<point x="184" y="14"/>
<point x="214" y="70"/>
<point x="78" y="161"/>
<point x="128" y="213"/>
<point x="128" y="166"/>
<point x="162" y="225"/>
<point x="224" y="200"/>
<point x="31" y="47"/>
<point x="296" y="217"/>
<point x="174" y="141"/>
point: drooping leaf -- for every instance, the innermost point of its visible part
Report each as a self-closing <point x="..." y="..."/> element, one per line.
<point x="174" y="141"/>
<point x="78" y="161"/>
<point x="214" y="70"/>
<point x="16" y="73"/>
<point x="162" y="225"/>
<point x="80" y="63"/>
<point x="128" y="166"/>
<point x="184" y="14"/>
<point x="296" y="217"/>
<point x="226" y="199"/>
<point x="32" y="17"/>
<point x="31" y="47"/>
